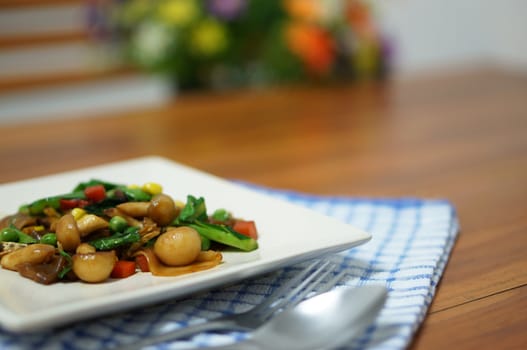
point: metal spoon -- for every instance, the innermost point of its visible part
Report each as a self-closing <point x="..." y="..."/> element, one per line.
<point x="325" y="321"/>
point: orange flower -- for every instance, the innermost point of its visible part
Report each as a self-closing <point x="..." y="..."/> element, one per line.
<point x="313" y="45"/>
<point x="359" y="16"/>
<point x="308" y="10"/>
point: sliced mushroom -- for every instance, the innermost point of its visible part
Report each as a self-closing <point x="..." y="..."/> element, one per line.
<point x="205" y="261"/>
<point x="45" y="273"/>
<point x="8" y="247"/>
<point x="94" y="267"/>
<point x="19" y="220"/>
<point x="89" y="223"/>
<point x="148" y="230"/>
<point x="67" y="232"/>
<point x="32" y="254"/>
<point x="135" y="209"/>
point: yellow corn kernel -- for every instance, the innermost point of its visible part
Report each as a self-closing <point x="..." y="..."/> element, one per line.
<point x="38" y="228"/>
<point x="78" y="213"/>
<point x="132" y="186"/>
<point x="152" y="188"/>
<point x="179" y="204"/>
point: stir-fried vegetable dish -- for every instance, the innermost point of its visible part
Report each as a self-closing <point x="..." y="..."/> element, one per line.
<point x="104" y="230"/>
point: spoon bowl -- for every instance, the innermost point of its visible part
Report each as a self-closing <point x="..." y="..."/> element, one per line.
<point x="322" y="322"/>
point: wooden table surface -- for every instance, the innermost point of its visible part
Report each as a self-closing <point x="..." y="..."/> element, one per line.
<point x="462" y="137"/>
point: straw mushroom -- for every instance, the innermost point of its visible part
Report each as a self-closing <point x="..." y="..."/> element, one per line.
<point x="162" y="209"/>
<point x="67" y="232"/>
<point x="178" y="246"/>
<point x="85" y="248"/>
<point x="94" y="267"/>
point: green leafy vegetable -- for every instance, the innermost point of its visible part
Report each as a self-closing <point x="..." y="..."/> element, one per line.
<point x="130" y="235"/>
<point x="136" y="194"/>
<point x="194" y="209"/>
<point x="221" y="215"/>
<point x="94" y="182"/>
<point x="132" y="194"/>
<point x="194" y="214"/>
<point x="225" y="235"/>
<point x="205" y="243"/>
<point x="37" y="207"/>
<point x="99" y="207"/>
<point x="69" y="264"/>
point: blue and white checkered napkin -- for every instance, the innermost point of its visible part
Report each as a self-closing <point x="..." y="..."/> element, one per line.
<point x="411" y="244"/>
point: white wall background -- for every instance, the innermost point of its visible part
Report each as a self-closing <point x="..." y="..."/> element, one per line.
<point x="438" y="34"/>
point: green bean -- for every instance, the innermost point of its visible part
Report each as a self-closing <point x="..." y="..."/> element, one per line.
<point x="25" y="238"/>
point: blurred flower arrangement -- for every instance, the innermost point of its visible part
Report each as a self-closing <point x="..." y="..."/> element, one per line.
<point x="231" y="43"/>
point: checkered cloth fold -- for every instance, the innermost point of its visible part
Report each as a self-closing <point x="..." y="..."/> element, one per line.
<point x="412" y="240"/>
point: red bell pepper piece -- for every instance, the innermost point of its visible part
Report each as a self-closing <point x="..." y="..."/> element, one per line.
<point x="123" y="269"/>
<point x="95" y="193"/>
<point x="67" y="204"/>
<point x="142" y="263"/>
<point x="246" y="228"/>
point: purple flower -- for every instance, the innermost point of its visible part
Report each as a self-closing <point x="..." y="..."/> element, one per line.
<point x="227" y="9"/>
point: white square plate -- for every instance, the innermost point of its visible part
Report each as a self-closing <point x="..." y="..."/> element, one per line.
<point x="288" y="234"/>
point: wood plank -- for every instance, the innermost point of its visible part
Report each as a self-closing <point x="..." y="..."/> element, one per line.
<point x="487" y="261"/>
<point x="496" y="322"/>
<point x="50" y="80"/>
<point x="17" y="41"/>
<point x="24" y="3"/>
